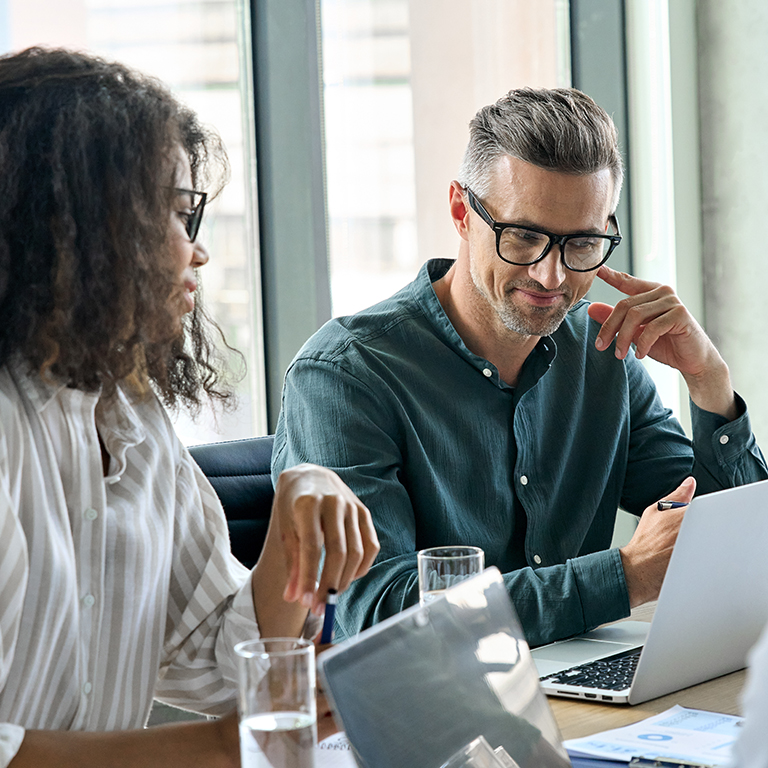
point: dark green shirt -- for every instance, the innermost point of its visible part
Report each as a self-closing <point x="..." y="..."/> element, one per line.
<point x="442" y="452"/>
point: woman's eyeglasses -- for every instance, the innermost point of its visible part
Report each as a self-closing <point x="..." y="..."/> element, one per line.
<point x="194" y="216"/>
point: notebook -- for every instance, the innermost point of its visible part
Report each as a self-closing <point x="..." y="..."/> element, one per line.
<point x="425" y="684"/>
<point x="712" y="607"/>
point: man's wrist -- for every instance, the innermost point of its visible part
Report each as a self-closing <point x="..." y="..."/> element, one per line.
<point x="712" y="391"/>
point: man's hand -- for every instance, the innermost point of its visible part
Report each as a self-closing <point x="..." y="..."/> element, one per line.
<point x="314" y="510"/>
<point x="656" y="321"/>
<point x="646" y="557"/>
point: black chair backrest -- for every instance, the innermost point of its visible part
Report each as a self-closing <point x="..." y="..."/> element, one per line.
<point x="239" y="471"/>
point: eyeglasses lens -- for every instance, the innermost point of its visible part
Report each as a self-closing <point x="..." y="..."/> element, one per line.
<point x="524" y="246"/>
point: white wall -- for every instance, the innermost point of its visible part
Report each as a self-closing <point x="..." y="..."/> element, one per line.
<point x="733" y="97"/>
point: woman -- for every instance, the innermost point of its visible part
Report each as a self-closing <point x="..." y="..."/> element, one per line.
<point x="116" y="580"/>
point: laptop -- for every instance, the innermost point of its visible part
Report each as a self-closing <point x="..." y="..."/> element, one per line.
<point x="712" y="607"/>
<point x="434" y="683"/>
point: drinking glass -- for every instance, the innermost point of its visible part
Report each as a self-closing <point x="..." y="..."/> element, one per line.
<point x="278" y="715"/>
<point x="442" y="567"/>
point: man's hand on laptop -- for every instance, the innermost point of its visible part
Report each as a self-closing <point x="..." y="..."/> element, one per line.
<point x="654" y="319"/>
<point x="646" y="557"/>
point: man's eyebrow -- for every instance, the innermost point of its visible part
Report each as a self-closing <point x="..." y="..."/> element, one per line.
<point x="533" y="225"/>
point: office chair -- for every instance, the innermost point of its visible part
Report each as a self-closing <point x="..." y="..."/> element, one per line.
<point x="239" y="471"/>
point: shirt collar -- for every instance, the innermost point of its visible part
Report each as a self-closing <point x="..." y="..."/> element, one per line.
<point x="38" y="391"/>
<point x="118" y="422"/>
<point x="537" y="363"/>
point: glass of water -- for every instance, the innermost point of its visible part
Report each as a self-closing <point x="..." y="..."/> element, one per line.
<point x="442" y="567"/>
<point x="278" y="715"/>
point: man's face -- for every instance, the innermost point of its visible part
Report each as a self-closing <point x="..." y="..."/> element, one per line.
<point x="533" y="300"/>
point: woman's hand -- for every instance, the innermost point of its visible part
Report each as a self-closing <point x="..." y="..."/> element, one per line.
<point x="314" y="509"/>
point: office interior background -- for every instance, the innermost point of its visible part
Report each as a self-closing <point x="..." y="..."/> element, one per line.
<point x="346" y="120"/>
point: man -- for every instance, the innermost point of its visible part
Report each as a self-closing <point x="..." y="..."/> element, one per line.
<point x="488" y="404"/>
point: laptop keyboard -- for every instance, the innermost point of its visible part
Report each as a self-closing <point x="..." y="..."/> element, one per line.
<point x="613" y="673"/>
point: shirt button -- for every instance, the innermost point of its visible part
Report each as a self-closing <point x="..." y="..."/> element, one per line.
<point x="537" y="560"/>
<point x="724" y="439"/>
<point x="87" y="688"/>
<point x="523" y="480"/>
<point x="487" y="372"/>
<point x="88" y="601"/>
<point x="90" y="514"/>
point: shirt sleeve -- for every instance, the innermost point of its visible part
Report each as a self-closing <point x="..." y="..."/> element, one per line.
<point x="562" y="600"/>
<point x="14" y="576"/>
<point x="11" y="737"/>
<point x="210" y="606"/>
<point x="724" y="454"/>
<point x="332" y="418"/>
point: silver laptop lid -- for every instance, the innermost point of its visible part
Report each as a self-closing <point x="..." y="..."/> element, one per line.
<point x="711" y="610"/>
<point x="714" y="600"/>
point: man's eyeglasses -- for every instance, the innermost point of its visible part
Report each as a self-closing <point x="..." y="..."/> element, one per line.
<point x="194" y="216"/>
<point x="523" y="246"/>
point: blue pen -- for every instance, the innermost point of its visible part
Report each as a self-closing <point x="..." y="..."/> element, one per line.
<point x="662" y="505"/>
<point x="330" y="613"/>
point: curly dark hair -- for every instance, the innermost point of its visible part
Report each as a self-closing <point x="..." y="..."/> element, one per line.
<point x="87" y="164"/>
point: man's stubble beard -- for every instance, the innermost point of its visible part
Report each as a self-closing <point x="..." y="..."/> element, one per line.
<point x="542" y="321"/>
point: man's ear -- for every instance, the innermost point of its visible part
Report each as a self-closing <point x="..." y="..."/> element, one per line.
<point x="457" y="202"/>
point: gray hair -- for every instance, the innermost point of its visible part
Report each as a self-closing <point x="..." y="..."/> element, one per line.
<point x="560" y="129"/>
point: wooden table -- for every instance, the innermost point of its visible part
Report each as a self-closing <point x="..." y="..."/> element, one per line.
<point x="582" y="718"/>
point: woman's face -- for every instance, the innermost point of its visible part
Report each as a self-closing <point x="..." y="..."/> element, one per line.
<point x="187" y="256"/>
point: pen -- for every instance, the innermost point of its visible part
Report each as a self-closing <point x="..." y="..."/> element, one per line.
<point x="662" y="505"/>
<point x="330" y="614"/>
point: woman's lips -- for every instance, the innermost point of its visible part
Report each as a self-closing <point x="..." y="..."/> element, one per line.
<point x="190" y="286"/>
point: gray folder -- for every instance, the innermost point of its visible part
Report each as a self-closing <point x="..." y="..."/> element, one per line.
<point x="415" y="689"/>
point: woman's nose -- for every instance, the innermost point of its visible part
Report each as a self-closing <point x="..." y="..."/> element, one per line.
<point x="201" y="255"/>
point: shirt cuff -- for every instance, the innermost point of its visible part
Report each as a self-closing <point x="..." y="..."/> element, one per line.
<point x="239" y="625"/>
<point x="718" y="440"/>
<point x="602" y="587"/>
<point x="11" y="737"/>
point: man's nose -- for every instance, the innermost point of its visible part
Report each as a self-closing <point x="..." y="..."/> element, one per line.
<point x="550" y="271"/>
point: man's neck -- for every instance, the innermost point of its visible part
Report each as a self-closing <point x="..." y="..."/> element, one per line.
<point x="480" y="328"/>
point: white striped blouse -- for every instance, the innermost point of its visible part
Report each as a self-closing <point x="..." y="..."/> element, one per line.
<point x="116" y="589"/>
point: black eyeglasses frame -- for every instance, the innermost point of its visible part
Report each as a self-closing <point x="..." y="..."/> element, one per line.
<point x="193" y="220"/>
<point x="498" y="228"/>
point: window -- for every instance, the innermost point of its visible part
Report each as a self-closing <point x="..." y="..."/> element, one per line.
<point x="401" y="82"/>
<point x="192" y="45"/>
